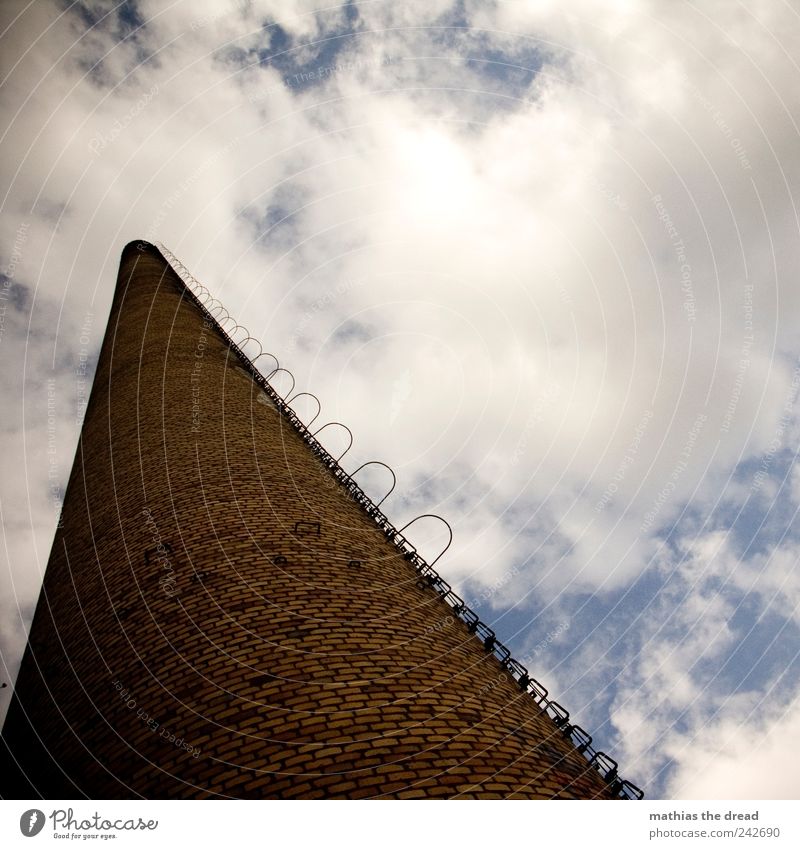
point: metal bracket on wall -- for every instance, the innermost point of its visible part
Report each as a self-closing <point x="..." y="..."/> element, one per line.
<point x="581" y="739"/>
<point x="339" y="424"/>
<point x="279" y="369"/>
<point x="385" y="466"/>
<point x="217" y="311"/>
<point x="432" y="516"/>
<point x="605" y="765"/>
<point x="265" y="354"/>
<point x="300" y="395"/>
<point x="305" y="528"/>
<point x="629" y="790"/>
<point x="250" y="338"/>
<point x="558" y="713"/>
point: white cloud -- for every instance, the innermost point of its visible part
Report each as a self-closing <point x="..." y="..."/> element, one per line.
<point x="750" y="759"/>
<point x="530" y="290"/>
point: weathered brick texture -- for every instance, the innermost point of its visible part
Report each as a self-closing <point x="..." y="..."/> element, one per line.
<point x="202" y="631"/>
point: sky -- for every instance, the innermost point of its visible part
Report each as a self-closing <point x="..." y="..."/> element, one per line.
<point x="541" y="257"/>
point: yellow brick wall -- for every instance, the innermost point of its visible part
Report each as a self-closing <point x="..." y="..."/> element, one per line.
<point x="246" y="657"/>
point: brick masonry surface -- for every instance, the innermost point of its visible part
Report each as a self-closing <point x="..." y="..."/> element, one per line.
<point x="203" y="630"/>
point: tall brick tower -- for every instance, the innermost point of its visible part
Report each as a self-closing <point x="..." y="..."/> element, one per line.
<point x="226" y="614"/>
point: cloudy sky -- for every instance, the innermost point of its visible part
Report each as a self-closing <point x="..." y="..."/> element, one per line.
<point x="542" y="257"/>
